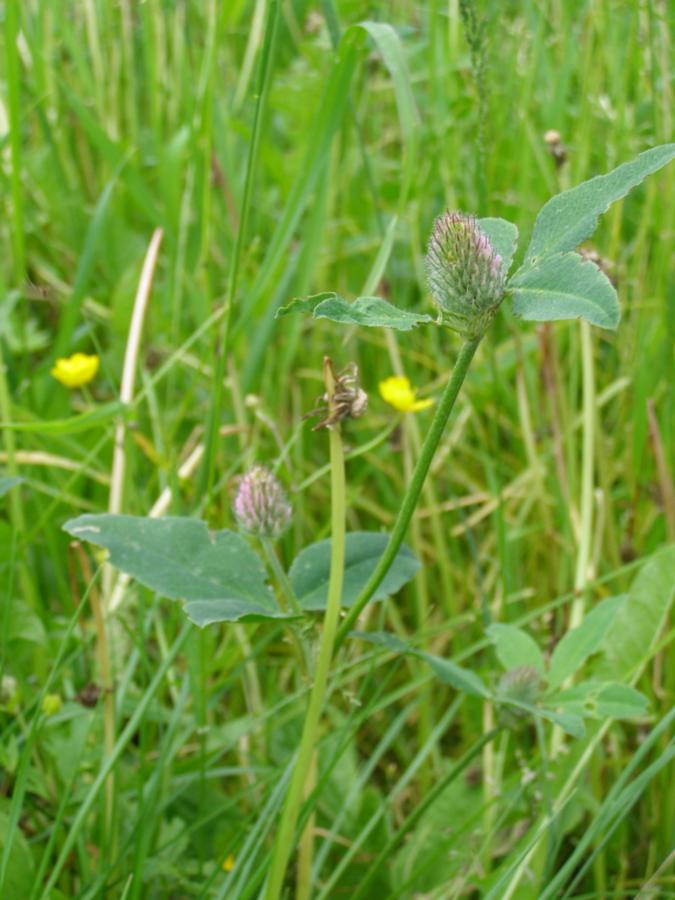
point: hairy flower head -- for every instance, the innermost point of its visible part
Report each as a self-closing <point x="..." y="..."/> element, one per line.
<point x="76" y="370"/>
<point x="399" y="393"/>
<point x="519" y="685"/>
<point x="465" y="274"/>
<point x="260" y="506"/>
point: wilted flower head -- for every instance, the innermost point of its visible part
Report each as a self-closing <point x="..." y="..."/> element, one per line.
<point x="465" y="274"/>
<point x="260" y="506"/>
<point x="347" y="399"/>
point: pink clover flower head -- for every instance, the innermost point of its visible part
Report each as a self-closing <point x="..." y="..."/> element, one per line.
<point x="465" y="274"/>
<point x="260" y="506"/>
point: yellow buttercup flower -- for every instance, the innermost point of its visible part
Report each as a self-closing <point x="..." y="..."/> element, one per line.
<point x="399" y="393"/>
<point x="228" y="863"/>
<point x="76" y="370"/>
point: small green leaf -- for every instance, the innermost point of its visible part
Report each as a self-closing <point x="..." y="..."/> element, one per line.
<point x="459" y="678"/>
<point x="310" y="571"/>
<point x="19" y="880"/>
<point x="303" y="304"/>
<point x="565" y="286"/>
<point x="7" y="483"/>
<point x="515" y="708"/>
<point x="228" y="609"/>
<point x="570" y="218"/>
<point x="503" y="236"/>
<point x="570" y="722"/>
<point x="602" y="700"/>
<point x="577" y="645"/>
<point x="620" y="701"/>
<point x="515" y="648"/>
<point x="631" y="638"/>
<point x="24" y="625"/>
<point x="445" y="670"/>
<point x="219" y="575"/>
<point x="370" y="311"/>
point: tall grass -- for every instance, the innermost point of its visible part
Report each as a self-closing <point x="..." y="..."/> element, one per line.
<point x="277" y="163"/>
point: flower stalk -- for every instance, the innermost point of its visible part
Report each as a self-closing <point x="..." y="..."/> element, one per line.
<point x="303" y="764"/>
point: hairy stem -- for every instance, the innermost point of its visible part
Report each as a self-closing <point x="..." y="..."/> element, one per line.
<point x="288" y="598"/>
<point x="303" y="763"/>
<point x="288" y="601"/>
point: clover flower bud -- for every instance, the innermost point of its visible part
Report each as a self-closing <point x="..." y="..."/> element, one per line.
<point x="521" y="685"/>
<point x="260" y="506"/>
<point x="465" y="274"/>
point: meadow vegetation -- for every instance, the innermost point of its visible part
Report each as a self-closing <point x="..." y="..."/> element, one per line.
<point x="500" y="725"/>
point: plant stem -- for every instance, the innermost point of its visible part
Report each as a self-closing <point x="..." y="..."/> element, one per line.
<point x="102" y="651"/>
<point x="582" y="574"/>
<point x="421" y="598"/>
<point x="411" y="497"/>
<point x="303" y="887"/>
<point x="303" y="763"/>
<point x="288" y="598"/>
<point x="108" y="688"/>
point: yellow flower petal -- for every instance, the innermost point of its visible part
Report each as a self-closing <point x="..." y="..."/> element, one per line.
<point x="228" y="863"/>
<point x="422" y="404"/>
<point x="399" y="393"/>
<point x="76" y="370"/>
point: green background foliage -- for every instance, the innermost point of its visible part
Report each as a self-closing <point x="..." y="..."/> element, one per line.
<point x="121" y="118"/>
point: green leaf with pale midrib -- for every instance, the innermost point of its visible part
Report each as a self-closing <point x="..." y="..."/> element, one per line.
<point x="568" y="219"/>
<point x="373" y="312"/>
<point x="310" y="571"/>
<point x="565" y="286"/>
<point x="445" y="670"/>
<point x="632" y="636"/>
<point x="601" y="700"/>
<point x="515" y="647"/>
<point x="578" y="644"/>
<point x="217" y="573"/>
<point x="571" y="722"/>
